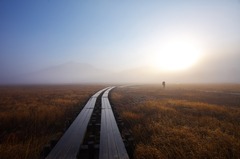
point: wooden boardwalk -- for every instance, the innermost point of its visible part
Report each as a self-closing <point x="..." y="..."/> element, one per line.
<point x="111" y="143"/>
<point x="69" y="144"/>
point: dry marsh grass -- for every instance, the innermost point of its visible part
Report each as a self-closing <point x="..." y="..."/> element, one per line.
<point x="31" y="116"/>
<point x="181" y="121"/>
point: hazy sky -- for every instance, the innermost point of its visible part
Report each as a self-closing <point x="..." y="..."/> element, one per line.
<point x="114" y="35"/>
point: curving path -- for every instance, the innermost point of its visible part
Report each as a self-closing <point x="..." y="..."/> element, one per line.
<point x="69" y="144"/>
<point x="111" y="143"/>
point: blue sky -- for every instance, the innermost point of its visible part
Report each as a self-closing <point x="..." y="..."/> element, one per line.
<point x="112" y="35"/>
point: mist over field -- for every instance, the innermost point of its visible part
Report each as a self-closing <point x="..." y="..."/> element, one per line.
<point x="48" y="42"/>
<point x="221" y="70"/>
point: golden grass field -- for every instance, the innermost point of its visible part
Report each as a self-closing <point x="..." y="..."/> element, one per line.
<point x="181" y="121"/>
<point x="31" y="116"/>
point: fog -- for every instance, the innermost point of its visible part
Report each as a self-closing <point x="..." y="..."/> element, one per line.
<point x="212" y="69"/>
<point x="58" y="42"/>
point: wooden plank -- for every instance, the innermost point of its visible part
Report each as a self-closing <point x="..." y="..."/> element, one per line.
<point x="69" y="144"/>
<point x="111" y="143"/>
<point x="113" y="150"/>
<point x="99" y="92"/>
<point x="103" y="136"/>
<point x="105" y="104"/>
<point x="105" y="94"/>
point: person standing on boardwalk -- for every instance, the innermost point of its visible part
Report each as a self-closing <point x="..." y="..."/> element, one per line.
<point x="163" y="84"/>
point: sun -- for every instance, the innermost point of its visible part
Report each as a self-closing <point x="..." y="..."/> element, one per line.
<point x="179" y="53"/>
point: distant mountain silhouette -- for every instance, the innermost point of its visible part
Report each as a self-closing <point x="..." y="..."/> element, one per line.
<point x="71" y="72"/>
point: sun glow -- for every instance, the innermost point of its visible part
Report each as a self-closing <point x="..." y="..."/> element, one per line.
<point x="177" y="54"/>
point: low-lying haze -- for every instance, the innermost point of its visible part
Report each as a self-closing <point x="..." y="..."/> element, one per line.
<point x="119" y="42"/>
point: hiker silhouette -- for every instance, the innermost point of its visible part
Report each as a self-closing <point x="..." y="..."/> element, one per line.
<point x="163" y="84"/>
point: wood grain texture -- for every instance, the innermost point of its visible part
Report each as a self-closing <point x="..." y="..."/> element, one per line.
<point x="111" y="143"/>
<point x="69" y="144"/>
